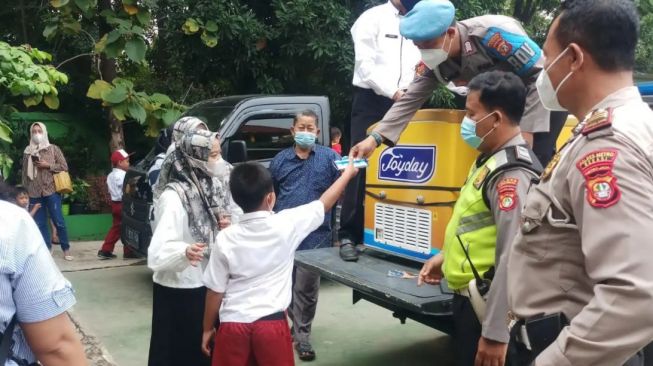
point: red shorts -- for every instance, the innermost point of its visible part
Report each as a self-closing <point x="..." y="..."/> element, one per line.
<point x="261" y="343"/>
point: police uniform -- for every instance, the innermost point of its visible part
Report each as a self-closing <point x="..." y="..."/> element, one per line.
<point x="489" y="42"/>
<point x="584" y="248"/>
<point x="485" y="220"/>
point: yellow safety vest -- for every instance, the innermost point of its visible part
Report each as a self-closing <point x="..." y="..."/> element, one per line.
<point x="473" y="222"/>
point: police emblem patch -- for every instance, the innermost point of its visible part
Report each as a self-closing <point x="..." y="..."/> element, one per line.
<point x="500" y="44"/>
<point x="600" y="182"/>
<point x="469" y="48"/>
<point x="507" y="189"/>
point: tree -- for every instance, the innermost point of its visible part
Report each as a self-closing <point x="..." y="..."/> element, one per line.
<point x="24" y="76"/>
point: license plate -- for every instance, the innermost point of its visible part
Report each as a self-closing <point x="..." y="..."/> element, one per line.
<point x="132" y="235"/>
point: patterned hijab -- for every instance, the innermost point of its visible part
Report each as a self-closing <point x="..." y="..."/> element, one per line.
<point x="201" y="194"/>
<point x="182" y="126"/>
<point x="33" y="149"/>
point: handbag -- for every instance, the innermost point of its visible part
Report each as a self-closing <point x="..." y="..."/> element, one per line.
<point x="62" y="183"/>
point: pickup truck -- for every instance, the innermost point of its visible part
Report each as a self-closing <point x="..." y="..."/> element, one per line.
<point x="252" y="127"/>
<point x="410" y="191"/>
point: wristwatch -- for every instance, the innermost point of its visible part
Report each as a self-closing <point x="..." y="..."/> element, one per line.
<point x="377" y="137"/>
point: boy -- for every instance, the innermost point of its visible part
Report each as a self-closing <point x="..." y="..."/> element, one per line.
<point x="249" y="275"/>
<point x="336" y="135"/>
<point x="301" y="174"/>
<point x="22" y="200"/>
<point x="120" y="161"/>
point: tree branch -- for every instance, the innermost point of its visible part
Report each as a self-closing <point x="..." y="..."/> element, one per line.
<point x="73" y="58"/>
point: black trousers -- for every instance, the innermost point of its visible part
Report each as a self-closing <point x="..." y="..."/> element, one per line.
<point x="367" y="109"/>
<point x="467" y="331"/>
<point x="177" y="317"/>
<point x="544" y="143"/>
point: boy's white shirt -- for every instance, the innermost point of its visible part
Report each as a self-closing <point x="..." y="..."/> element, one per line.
<point x="253" y="260"/>
<point x="115" y="181"/>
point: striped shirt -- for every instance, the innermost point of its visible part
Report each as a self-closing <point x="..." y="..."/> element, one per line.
<point x="43" y="184"/>
<point x="31" y="285"/>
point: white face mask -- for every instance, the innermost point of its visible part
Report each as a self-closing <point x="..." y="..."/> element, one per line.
<point x="37" y="138"/>
<point x="219" y="168"/>
<point x="434" y="57"/>
<point x="548" y="94"/>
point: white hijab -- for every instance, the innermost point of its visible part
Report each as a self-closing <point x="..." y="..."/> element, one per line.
<point x="33" y="149"/>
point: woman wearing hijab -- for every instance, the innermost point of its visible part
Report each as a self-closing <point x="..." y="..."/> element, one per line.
<point x="192" y="204"/>
<point x="41" y="160"/>
<point x="166" y="143"/>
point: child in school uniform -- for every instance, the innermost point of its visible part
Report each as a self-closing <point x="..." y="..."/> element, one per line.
<point x="249" y="275"/>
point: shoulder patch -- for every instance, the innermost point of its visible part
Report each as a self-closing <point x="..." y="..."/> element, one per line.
<point x="600" y="182"/>
<point x="507" y="189"/>
<point x="599" y="120"/>
<point x="518" y="50"/>
<point x="421" y="69"/>
<point x="523" y="154"/>
<point x="480" y="178"/>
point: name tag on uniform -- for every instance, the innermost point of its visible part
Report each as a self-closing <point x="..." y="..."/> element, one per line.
<point x="393" y="36"/>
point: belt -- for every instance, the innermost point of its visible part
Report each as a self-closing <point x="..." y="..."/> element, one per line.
<point x="116" y="201"/>
<point x="281" y="315"/>
<point x="518" y="330"/>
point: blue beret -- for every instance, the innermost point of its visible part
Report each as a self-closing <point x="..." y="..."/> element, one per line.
<point x="429" y="19"/>
<point x="409" y="4"/>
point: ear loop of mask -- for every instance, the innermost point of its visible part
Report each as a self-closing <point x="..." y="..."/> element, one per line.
<point x="450" y="42"/>
<point x="490" y="131"/>
<point x="570" y="72"/>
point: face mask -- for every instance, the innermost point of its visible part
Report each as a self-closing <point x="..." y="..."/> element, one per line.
<point x="37" y="138"/>
<point x="305" y="139"/>
<point x="218" y="168"/>
<point x="468" y="131"/>
<point x="434" y="57"/>
<point x="549" y="94"/>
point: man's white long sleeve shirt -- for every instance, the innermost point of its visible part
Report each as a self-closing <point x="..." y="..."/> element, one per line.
<point x="385" y="61"/>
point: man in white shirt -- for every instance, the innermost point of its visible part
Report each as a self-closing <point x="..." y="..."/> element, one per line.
<point x="385" y="66"/>
<point x="249" y="275"/>
<point x="120" y="162"/>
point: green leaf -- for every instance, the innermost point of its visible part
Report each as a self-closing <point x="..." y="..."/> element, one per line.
<point x="49" y="31"/>
<point x="5" y="132"/>
<point x="58" y="3"/>
<point x="137" y="112"/>
<point x="143" y="17"/>
<point x="123" y="82"/>
<point x="84" y="5"/>
<point x="211" y="26"/>
<point x="97" y="88"/>
<point x="73" y="26"/>
<point x="170" y="116"/>
<point x="130" y="9"/>
<point x="52" y="101"/>
<point x="101" y="44"/>
<point x="115" y="95"/>
<point x="113" y="50"/>
<point x="113" y="36"/>
<point x="120" y="111"/>
<point x="191" y="26"/>
<point x="32" y="100"/>
<point x="135" y="49"/>
<point x="160" y="98"/>
<point x="209" y="39"/>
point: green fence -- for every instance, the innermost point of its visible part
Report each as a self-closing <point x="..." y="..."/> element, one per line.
<point x="88" y="227"/>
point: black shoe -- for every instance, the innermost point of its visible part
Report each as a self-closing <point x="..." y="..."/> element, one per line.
<point x="130" y="256"/>
<point x="348" y="252"/>
<point x="305" y="351"/>
<point x="105" y="255"/>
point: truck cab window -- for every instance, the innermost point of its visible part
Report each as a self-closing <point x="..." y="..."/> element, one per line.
<point x="265" y="136"/>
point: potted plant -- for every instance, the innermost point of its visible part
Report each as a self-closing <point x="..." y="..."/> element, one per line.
<point x="78" y="198"/>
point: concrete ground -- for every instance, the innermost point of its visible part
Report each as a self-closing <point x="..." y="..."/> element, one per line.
<point x="114" y="300"/>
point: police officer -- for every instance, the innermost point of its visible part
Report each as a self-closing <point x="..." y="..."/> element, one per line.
<point x="486" y="217"/>
<point x="456" y="52"/>
<point x="580" y="277"/>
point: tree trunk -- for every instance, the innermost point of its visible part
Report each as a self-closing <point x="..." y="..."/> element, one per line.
<point x="109" y="72"/>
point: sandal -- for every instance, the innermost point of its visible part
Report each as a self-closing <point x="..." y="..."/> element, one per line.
<point x="305" y="351"/>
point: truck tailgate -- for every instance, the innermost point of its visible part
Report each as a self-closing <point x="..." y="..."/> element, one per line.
<point x="368" y="277"/>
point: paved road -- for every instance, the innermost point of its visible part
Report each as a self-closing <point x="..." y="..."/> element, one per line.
<point x="114" y="304"/>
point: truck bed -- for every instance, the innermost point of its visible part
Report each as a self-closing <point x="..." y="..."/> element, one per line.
<point x="368" y="277"/>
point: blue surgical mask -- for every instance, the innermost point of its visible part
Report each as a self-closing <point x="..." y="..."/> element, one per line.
<point x="304" y="139"/>
<point x="468" y="131"/>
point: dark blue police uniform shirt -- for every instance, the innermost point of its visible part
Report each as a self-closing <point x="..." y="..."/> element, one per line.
<point x="298" y="182"/>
